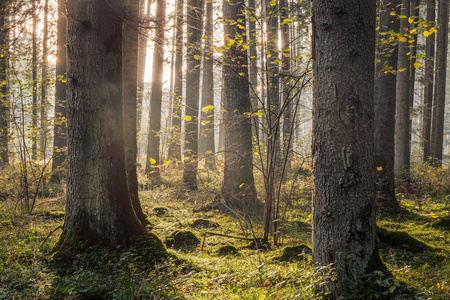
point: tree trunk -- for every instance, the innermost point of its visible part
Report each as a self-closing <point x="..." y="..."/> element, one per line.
<point x="384" y="104"/>
<point x="414" y="12"/>
<point x="194" y="32"/>
<point x="252" y="54"/>
<point x="34" y="117"/>
<point x="98" y="207"/>
<point x="142" y="58"/>
<point x="207" y="120"/>
<point x="238" y="187"/>
<point x="153" y="161"/>
<point x="344" y="235"/>
<point x="175" y="142"/>
<point x="4" y="99"/>
<point x="60" y="124"/>
<point x="429" y="80"/>
<point x="437" y="134"/>
<point x="44" y="103"/>
<point x="286" y="98"/>
<point x="130" y="50"/>
<point x="402" y="135"/>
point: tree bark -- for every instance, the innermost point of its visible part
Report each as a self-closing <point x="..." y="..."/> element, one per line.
<point x="44" y="103"/>
<point x="437" y="134"/>
<point x="207" y="120"/>
<point x="238" y="187"/>
<point x="34" y="117"/>
<point x="98" y="207"/>
<point x="60" y="124"/>
<point x="402" y="134"/>
<point x="4" y="99"/>
<point x="193" y="32"/>
<point x="384" y="104"/>
<point x="130" y="51"/>
<point x="344" y="236"/>
<point x="429" y="80"/>
<point x="153" y="159"/>
<point x="175" y="142"/>
<point x="142" y="57"/>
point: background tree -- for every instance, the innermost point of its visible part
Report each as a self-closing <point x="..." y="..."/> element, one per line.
<point x="344" y="235"/>
<point x="59" y="128"/>
<point x="153" y="159"/>
<point x="175" y="143"/>
<point x="384" y="101"/>
<point x="429" y="80"/>
<point x="4" y="99"/>
<point x="207" y="120"/>
<point x="437" y="134"/>
<point x="44" y="83"/>
<point x="194" y="33"/>
<point x="402" y="111"/>
<point x="238" y="182"/>
<point x="34" y="109"/>
<point x="130" y="51"/>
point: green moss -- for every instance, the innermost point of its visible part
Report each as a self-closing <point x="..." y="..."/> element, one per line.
<point x="443" y="223"/>
<point x="294" y="253"/>
<point x="182" y="239"/>
<point x="149" y="248"/>
<point x="395" y="238"/>
<point x="228" y="249"/>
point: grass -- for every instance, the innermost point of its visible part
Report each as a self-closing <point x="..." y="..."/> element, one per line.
<point x="27" y="270"/>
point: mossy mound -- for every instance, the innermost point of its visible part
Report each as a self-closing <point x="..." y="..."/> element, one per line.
<point x="160" y="211"/>
<point x="149" y="249"/>
<point x="51" y="215"/>
<point x="400" y="239"/>
<point x="442" y="223"/>
<point x="202" y="223"/>
<point x="258" y="244"/>
<point x="228" y="249"/>
<point x="294" y="253"/>
<point x="182" y="239"/>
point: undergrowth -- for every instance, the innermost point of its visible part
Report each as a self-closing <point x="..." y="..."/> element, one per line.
<point x="415" y="251"/>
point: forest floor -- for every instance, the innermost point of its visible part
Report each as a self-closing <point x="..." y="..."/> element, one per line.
<point x="414" y="250"/>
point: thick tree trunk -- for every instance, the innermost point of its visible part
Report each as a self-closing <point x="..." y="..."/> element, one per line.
<point x="194" y="32"/>
<point x="130" y="47"/>
<point x="153" y="160"/>
<point x="437" y="134"/>
<point x="429" y="80"/>
<point x="207" y="120"/>
<point x="60" y="124"/>
<point x="175" y="142"/>
<point x="4" y="100"/>
<point x="238" y="187"/>
<point x="402" y="135"/>
<point x="344" y="235"/>
<point x="384" y="104"/>
<point x="98" y="207"/>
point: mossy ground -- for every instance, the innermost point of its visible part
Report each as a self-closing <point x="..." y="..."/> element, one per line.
<point x="27" y="270"/>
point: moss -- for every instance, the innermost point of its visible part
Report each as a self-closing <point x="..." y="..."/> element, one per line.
<point x="394" y="238"/>
<point x="444" y="222"/>
<point x="182" y="239"/>
<point x="258" y="244"/>
<point x="160" y="211"/>
<point x="199" y="223"/>
<point x="149" y="248"/>
<point x="228" y="249"/>
<point x="294" y="253"/>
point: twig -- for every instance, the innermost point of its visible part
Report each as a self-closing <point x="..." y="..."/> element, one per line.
<point x="53" y="231"/>
<point x="224" y="235"/>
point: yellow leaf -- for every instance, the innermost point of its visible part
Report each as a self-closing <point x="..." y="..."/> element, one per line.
<point x="379" y="168"/>
<point x="402" y="39"/>
<point x="207" y="108"/>
<point x="410" y="20"/>
<point x="308" y="56"/>
<point x="152" y="161"/>
<point x="392" y="13"/>
<point x="187" y="118"/>
<point x="402" y="69"/>
<point x="427" y="33"/>
<point x="417" y="65"/>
